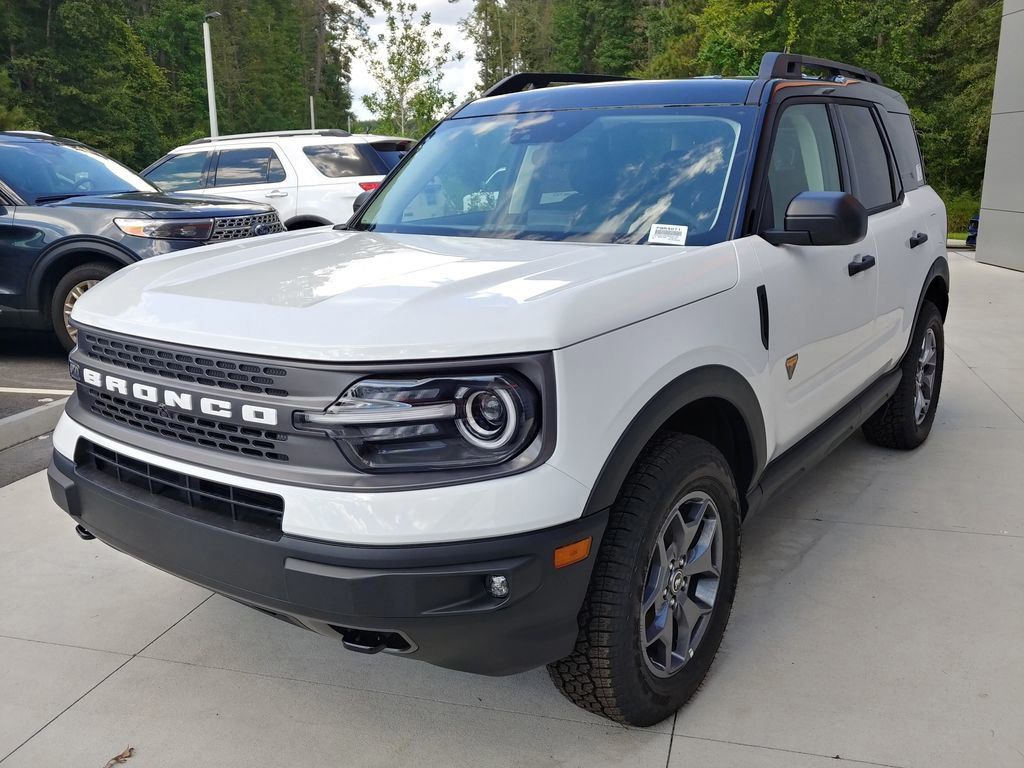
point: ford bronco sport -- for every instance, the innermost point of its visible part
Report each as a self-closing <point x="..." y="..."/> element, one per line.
<point x="515" y="411"/>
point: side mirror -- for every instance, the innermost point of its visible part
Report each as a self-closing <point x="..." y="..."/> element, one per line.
<point x="821" y="218"/>
<point x="360" y="201"/>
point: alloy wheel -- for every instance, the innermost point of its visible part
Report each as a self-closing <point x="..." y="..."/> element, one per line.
<point x="926" y="363"/>
<point x="69" y="303"/>
<point x="681" y="585"/>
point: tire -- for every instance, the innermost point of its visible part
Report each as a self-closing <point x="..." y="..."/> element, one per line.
<point x="899" y="423"/>
<point x="611" y="672"/>
<point x="68" y="289"/>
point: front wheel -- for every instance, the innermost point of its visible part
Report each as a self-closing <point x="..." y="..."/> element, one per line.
<point x="662" y="589"/>
<point x="69" y="289"/>
<point x="905" y="420"/>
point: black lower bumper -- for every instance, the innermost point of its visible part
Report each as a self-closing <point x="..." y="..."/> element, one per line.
<point x="426" y="601"/>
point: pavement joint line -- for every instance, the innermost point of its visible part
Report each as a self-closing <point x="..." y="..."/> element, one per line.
<point x="791" y="751"/>
<point x="671" y="741"/>
<point x="1009" y="407"/>
<point x="893" y="525"/>
<point x="63" y="645"/>
<point x="422" y="699"/>
<point x="29" y="391"/>
<point x="101" y="682"/>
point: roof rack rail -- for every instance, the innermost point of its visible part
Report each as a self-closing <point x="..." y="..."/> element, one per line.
<point x="44" y="134"/>
<point x="790" y="66"/>
<point x="526" y="81"/>
<point x="266" y="134"/>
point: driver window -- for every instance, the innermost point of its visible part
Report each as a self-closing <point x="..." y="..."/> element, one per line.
<point x="803" y="159"/>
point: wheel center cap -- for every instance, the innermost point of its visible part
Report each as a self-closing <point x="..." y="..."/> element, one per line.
<point x="676" y="582"/>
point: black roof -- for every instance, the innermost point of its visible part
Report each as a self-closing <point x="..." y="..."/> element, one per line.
<point x="544" y="91"/>
<point x="616" y="93"/>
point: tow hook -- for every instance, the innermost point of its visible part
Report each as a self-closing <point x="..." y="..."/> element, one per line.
<point x="83" y="534"/>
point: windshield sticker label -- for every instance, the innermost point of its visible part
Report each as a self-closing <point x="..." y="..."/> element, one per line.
<point x="667" y="234"/>
<point x="918" y="173"/>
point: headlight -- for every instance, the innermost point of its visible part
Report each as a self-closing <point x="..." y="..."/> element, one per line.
<point x="443" y="422"/>
<point x="167" y="229"/>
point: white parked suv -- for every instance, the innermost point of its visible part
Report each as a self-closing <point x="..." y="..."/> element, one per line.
<point x="516" y="410"/>
<point x="312" y="178"/>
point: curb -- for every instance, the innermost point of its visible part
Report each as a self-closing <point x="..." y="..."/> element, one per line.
<point x="29" y="424"/>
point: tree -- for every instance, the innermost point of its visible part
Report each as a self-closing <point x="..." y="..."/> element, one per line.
<point x="406" y="61"/>
<point x="12" y="116"/>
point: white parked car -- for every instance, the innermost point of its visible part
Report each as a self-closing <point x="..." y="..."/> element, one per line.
<point x="312" y="178"/>
<point x="514" y="412"/>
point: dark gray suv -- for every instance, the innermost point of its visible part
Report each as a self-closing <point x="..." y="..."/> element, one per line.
<point x="69" y="216"/>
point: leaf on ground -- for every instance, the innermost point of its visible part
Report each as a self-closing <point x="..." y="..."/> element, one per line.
<point x="119" y="759"/>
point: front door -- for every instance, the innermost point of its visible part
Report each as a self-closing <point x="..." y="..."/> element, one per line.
<point x="822" y="317"/>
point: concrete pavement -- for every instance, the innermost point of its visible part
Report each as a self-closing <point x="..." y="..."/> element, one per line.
<point x="879" y="621"/>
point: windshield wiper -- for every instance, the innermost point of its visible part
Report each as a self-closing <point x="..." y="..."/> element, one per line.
<point x="66" y="195"/>
<point x="56" y="198"/>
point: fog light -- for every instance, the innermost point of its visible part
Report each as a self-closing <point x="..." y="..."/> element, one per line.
<point x="497" y="586"/>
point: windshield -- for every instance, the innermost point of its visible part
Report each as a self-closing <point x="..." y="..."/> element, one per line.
<point x="41" y="171"/>
<point x="632" y="175"/>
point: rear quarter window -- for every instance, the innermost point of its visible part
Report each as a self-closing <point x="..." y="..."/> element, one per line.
<point x="338" y="161"/>
<point x="904" y="144"/>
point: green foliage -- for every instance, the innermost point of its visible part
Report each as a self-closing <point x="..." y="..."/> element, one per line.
<point x="406" y="60"/>
<point x="940" y="54"/>
<point x="959" y="210"/>
<point x="128" y="76"/>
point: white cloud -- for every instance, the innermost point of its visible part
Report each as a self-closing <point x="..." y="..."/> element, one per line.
<point x="459" y="77"/>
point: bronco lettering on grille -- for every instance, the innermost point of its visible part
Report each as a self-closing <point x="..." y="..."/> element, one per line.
<point x="185" y="401"/>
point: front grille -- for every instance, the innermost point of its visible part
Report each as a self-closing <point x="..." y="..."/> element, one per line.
<point x="236" y="227"/>
<point x="226" y="506"/>
<point x="245" y="441"/>
<point x="206" y="369"/>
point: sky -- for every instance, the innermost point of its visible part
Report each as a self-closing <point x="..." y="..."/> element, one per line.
<point x="459" y="77"/>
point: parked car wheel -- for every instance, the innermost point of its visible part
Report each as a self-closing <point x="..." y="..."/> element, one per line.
<point x="662" y="589"/>
<point x="69" y="289"/>
<point x="906" y="418"/>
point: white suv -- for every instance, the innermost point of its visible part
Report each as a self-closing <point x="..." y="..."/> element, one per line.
<point x="516" y="410"/>
<point x="312" y="178"/>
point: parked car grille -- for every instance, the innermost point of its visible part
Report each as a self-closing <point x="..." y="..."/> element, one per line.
<point x="236" y="227"/>
<point x="209" y="370"/>
<point x="244" y="441"/>
<point x="227" y="506"/>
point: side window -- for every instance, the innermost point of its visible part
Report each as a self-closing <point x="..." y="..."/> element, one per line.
<point x="904" y="144"/>
<point x="179" y="172"/>
<point x="872" y="181"/>
<point x="258" y="165"/>
<point x="803" y="159"/>
<point x="338" y="161"/>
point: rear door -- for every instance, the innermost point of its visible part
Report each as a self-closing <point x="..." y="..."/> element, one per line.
<point x="257" y="173"/>
<point x="180" y="172"/>
<point x="822" y="317"/>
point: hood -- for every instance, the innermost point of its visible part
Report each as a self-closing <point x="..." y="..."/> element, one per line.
<point x="159" y="205"/>
<point x="326" y="294"/>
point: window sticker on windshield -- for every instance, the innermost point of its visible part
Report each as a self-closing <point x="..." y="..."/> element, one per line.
<point x="667" y="234"/>
<point x="918" y="173"/>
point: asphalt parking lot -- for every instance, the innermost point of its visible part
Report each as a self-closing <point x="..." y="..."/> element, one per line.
<point x="878" y="622"/>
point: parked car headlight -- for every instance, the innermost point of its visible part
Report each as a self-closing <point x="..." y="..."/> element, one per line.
<point x="430" y="423"/>
<point x="167" y="229"/>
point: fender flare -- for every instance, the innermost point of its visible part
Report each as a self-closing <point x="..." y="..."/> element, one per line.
<point x="939" y="269"/>
<point x="707" y="381"/>
<point x="315" y="221"/>
<point x="62" y="248"/>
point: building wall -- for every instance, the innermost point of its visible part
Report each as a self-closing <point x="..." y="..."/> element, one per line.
<point x="1001" y="235"/>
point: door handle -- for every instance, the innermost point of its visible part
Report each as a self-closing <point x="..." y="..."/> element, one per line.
<point x="917" y="238"/>
<point x="276" y="193"/>
<point x="861" y="263"/>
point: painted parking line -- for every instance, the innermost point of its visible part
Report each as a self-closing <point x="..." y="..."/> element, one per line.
<point x="29" y="391"/>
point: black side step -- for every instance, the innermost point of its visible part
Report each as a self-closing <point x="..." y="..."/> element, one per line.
<point x="792" y="464"/>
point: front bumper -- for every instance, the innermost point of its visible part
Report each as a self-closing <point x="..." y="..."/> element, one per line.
<point x="425" y="601"/>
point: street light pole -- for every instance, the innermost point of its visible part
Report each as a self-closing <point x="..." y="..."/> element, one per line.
<point x="210" y="96"/>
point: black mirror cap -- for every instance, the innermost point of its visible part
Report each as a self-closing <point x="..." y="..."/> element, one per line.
<point x="360" y="201"/>
<point x="822" y="218"/>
